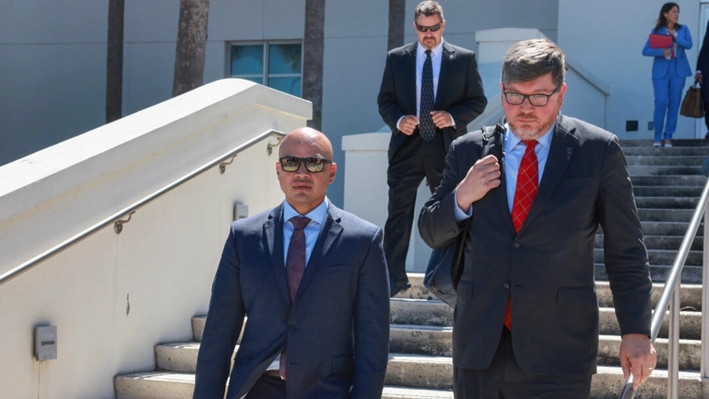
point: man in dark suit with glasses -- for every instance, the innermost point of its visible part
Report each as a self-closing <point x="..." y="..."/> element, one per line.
<point x="431" y="90"/>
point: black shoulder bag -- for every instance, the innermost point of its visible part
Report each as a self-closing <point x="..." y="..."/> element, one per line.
<point x="445" y="267"/>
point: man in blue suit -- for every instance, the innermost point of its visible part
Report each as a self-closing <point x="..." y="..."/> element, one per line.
<point x="319" y="333"/>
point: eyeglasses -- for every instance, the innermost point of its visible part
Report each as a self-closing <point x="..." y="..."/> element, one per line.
<point x="313" y="165"/>
<point x="432" y="28"/>
<point x="537" y="100"/>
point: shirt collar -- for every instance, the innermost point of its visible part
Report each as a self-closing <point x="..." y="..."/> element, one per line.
<point x="511" y="140"/>
<point x="435" y="52"/>
<point x="317" y="215"/>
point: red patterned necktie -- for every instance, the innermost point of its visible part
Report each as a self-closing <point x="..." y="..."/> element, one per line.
<point x="525" y="192"/>
<point x="295" y="267"/>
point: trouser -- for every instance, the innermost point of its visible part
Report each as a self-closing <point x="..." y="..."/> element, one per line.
<point x="668" y="94"/>
<point x="414" y="161"/>
<point x="504" y="379"/>
<point x="705" y="98"/>
<point x="268" y="387"/>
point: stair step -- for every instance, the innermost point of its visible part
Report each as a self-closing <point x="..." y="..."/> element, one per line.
<point x="668" y="228"/>
<point x="659" y="273"/>
<point x="168" y="385"/>
<point x="647" y="142"/>
<point x="668" y="191"/>
<point x="661" y="152"/>
<point x="659" y="257"/>
<point x="154" y="385"/>
<point x="661" y="242"/>
<point x="606" y="384"/>
<point x="667" y="215"/>
<point x="690" y="294"/>
<point x="646" y="160"/>
<point x="663" y="170"/>
<point x="430" y="371"/>
<point x="681" y="180"/>
<point x="437" y="341"/>
<point x="667" y="202"/>
<point x="436" y="313"/>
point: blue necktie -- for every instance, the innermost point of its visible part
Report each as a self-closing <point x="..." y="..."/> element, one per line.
<point x="295" y="267"/>
<point x="426" y="127"/>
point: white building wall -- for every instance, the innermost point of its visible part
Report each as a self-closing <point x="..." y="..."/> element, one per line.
<point x="53" y="54"/>
<point x="608" y="41"/>
<point x="52" y="72"/>
<point x="113" y="297"/>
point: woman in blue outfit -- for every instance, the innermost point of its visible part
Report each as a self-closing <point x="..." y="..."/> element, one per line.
<point x="670" y="69"/>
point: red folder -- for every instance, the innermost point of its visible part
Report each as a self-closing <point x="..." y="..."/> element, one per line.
<point x="660" y="41"/>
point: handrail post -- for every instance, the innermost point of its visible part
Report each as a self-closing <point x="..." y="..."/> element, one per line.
<point x="704" y="370"/>
<point x="673" y="346"/>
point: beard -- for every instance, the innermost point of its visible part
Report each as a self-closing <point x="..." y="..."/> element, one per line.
<point x="531" y="127"/>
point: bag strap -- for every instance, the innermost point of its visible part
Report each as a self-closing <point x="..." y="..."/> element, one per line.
<point x="490" y="135"/>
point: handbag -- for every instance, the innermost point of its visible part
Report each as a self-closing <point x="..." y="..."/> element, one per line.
<point x="445" y="268"/>
<point x="692" y="103"/>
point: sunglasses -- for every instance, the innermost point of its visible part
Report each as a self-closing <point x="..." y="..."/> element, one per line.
<point x="313" y="165"/>
<point x="432" y="28"/>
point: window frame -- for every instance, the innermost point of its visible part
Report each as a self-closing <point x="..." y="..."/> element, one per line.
<point x="265" y="46"/>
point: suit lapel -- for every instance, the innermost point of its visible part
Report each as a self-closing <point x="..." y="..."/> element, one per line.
<point x="447" y="56"/>
<point x="273" y="234"/>
<point x="329" y="233"/>
<point x="563" y="145"/>
<point x="410" y="77"/>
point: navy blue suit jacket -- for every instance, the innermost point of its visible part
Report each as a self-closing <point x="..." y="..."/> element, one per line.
<point x="336" y="330"/>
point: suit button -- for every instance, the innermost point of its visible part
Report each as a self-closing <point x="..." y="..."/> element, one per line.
<point x="291" y="328"/>
<point x="507" y="286"/>
<point x="516" y="245"/>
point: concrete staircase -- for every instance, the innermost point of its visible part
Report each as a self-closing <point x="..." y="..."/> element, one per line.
<point x="667" y="186"/>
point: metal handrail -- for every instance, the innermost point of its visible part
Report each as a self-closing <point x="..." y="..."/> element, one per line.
<point x="670" y="290"/>
<point x="116" y="220"/>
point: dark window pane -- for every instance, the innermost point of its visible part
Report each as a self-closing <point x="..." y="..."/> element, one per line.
<point x="247" y="60"/>
<point x="284" y="58"/>
<point x="290" y="85"/>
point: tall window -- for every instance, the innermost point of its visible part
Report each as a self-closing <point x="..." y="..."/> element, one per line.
<point x="273" y="64"/>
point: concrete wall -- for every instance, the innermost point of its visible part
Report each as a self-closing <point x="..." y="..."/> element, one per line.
<point x="366" y="192"/>
<point x="609" y="40"/>
<point x="52" y="58"/>
<point x="52" y="72"/>
<point x="113" y="297"/>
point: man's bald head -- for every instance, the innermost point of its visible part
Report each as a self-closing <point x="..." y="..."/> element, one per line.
<point x="305" y="190"/>
<point x="308" y="137"/>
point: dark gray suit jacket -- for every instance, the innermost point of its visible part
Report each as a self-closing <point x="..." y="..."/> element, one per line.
<point x="397" y="95"/>
<point x="548" y="268"/>
<point x="337" y="329"/>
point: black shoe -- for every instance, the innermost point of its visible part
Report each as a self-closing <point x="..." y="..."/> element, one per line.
<point x="397" y="286"/>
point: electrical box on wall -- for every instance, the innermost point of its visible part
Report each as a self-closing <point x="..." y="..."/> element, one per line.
<point x="241" y="211"/>
<point x="631" y="126"/>
<point x="45" y="343"/>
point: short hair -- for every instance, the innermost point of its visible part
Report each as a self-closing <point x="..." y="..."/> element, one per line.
<point x="531" y="59"/>
<point x="428" y="8"/>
